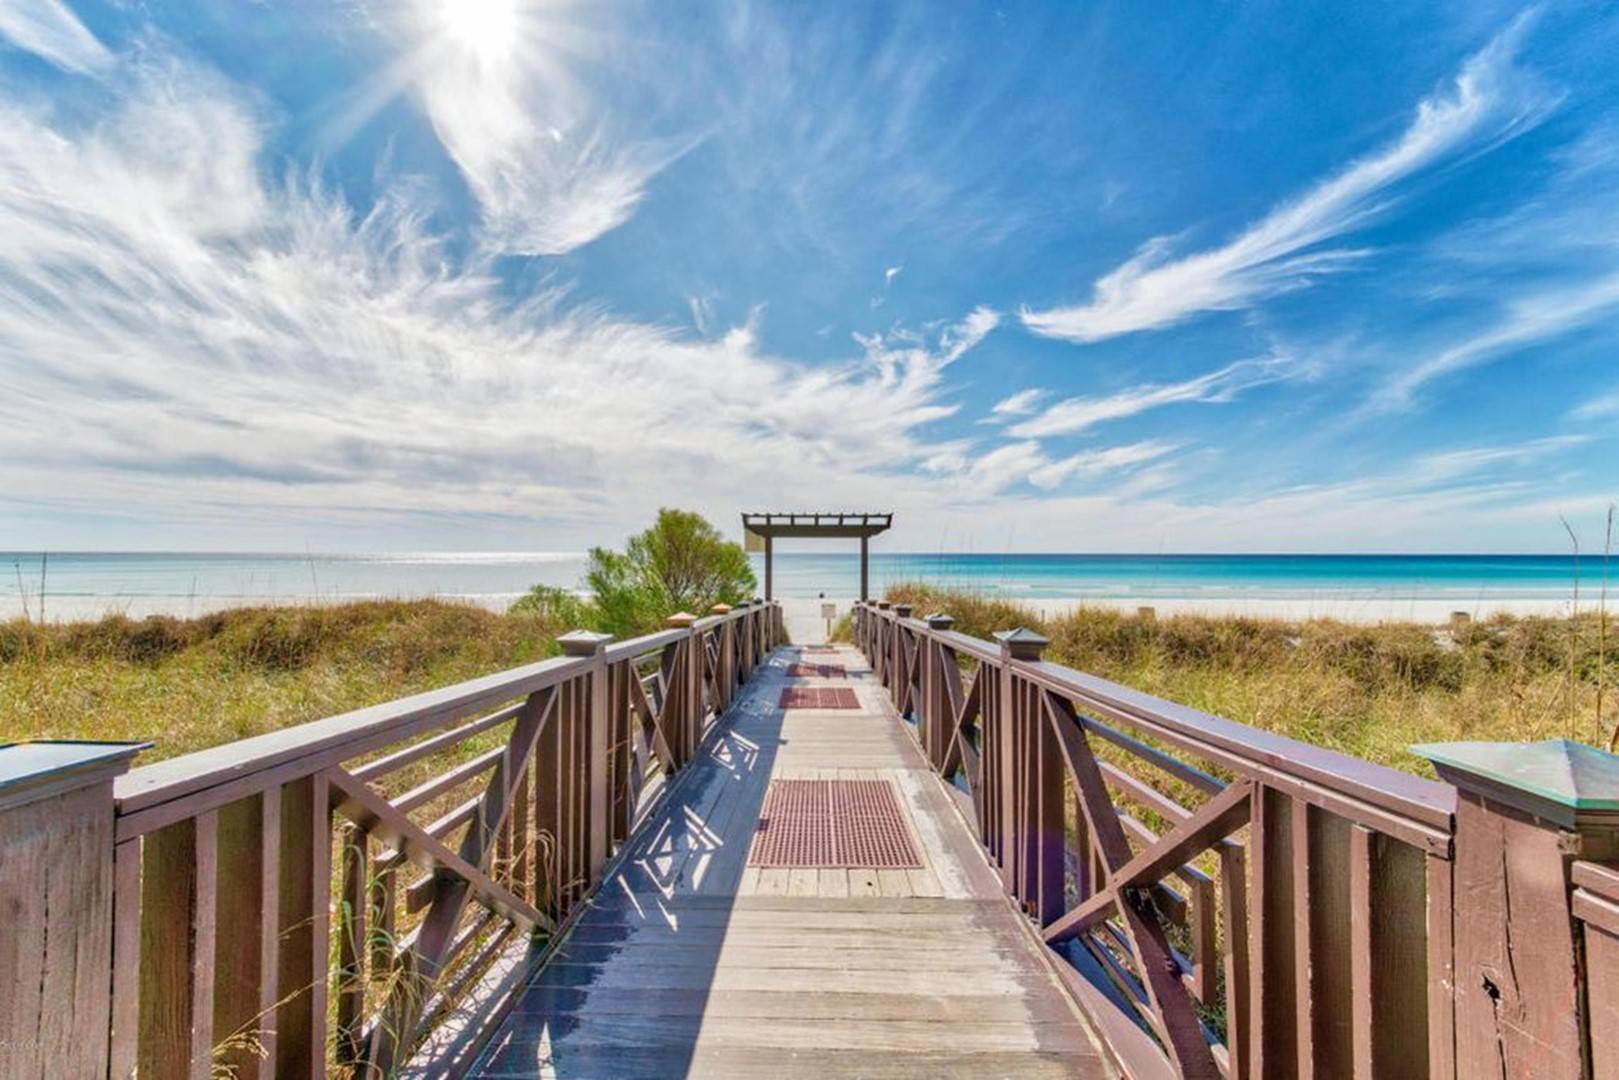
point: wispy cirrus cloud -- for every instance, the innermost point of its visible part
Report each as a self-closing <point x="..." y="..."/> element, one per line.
<point x="1527" y="320"/>
<point x="1599" y="407"/>
<point x="550" y="166"/>
<point x="1021" y="403"/>
<point x="987" y="474"/>
<point x="1073" y="415"/>
<point x="49" y="30"/>
<point x="1449" y="464"/>
<point x="1490" y="100"/>
<point x="1098" y="462"/>
<point x="180" y="329"/>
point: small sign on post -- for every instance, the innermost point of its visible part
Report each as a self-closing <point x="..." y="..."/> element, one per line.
<point x="829" y="611"/>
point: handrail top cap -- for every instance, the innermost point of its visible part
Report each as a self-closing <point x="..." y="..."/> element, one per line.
<point x="940" y="621"/>
<point x="721" y="609"/>
<point x="1558" y="779"/>
<point x="904" y="610"/>
<point x="583" y="642"/>
<point x="1022" y="643"/>
<point x="37" y="768"/>
<point x="680" y="619"/>
<point x="884" y="605"/>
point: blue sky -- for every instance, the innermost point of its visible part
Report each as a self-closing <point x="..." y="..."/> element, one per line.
<point x="510" y="274"/>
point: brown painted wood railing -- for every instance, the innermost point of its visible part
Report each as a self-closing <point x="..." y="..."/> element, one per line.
<point x="1224" y="901"/>
<point x="448" y="826"/>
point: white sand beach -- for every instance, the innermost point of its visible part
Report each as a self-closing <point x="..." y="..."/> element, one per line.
<point x="806" y="624"/>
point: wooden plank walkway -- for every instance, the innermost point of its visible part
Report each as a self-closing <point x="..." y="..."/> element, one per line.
<point x="691" y="963"/>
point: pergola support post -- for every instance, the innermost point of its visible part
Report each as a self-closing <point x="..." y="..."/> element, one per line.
<point x="820" y="526"/>
<point x="865" y="569"/>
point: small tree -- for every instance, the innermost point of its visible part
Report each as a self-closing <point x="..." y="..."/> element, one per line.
<point x="681" y="563"/>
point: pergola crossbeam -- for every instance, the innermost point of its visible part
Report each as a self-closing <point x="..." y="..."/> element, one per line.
<point x="817" y="525"/>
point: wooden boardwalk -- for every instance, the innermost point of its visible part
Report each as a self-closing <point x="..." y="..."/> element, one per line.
<point x="690" y="962"/>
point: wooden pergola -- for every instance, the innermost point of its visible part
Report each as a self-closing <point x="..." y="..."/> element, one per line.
<point x="817" y="525"/>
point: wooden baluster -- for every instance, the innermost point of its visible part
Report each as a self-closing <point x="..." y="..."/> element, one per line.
<point x="179" y="877"/>
<point x="1388" y="974"/>
<point x="548" y="799"/>
<point x="522" y="816"/>
<point x="304" y="913"/>
<point x="246" y="955"/>
<point x="352" y="930"/>
<point x="1273" y="1004"/>
<point x="1234" y="923"/>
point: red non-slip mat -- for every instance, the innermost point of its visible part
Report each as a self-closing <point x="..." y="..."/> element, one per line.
<point x="818" y="697"/>
<point x="817" y="671"/>
<point x="833" y="824"/>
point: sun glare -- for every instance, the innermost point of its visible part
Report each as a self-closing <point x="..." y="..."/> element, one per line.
<point x="487" y="28"/>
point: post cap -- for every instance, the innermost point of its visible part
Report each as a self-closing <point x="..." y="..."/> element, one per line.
<point x="759" y="600"/>
<point x="583" y="642"/>
<point x="721" y="609"/>
<point x="1022" y="643"/>
<point x="1565" y="782"/>
<point x="902" y="610"/>
<point x="680" y="620"/>
<point x="940" y="621"/>
<point x="883" y="605"/>
<point x="31" y="771"/>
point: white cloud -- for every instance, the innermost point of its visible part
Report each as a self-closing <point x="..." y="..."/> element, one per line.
<point x="1076" y="414"/>
<point x="986" y="475"/>
<point x="1097" y="462"/>
<point x="49" y="30"/>
<point x="1450" y="464"/>
<point x="181" y="336"/>
<point x="890" y="274"/>
<point x="1019" y="404"/>
<point x="1527" y="321"/>
<point x="1597" y="408"/>
<point x="1489" y="101"/>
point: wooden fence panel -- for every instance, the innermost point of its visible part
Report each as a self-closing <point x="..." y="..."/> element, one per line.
<point x="456" y="822"/>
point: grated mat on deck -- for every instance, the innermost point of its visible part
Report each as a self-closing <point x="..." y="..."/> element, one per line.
<point x="832" y="824"/>
<point x="817" y="671"/>
<point x="818" y="697"/>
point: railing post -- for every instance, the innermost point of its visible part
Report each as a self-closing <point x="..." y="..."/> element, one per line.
<point x="725" y="660"/>
<point x="936" y="714"/>
<point x="900" y="674"/>
<point x="885" y="631"/>
<point x="1021" y="777"/>
<point x="688" y="689"/>
<point x="761" y="615"/>
<point x="598" y="746"/>
<point x="1525" y="813"/>
<point x="57" y="894"/>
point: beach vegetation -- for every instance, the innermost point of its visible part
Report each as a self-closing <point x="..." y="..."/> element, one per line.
<point x="1366" y="690"/>
<point x="185" y="684"/>
<point x="680" y="563"/>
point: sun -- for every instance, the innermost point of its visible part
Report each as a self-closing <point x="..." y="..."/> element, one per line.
<point x="485" y="28"/>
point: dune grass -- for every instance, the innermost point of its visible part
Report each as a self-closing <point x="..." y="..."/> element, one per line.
<point x="184" y="684"/>
<point x="1370" y="691"/>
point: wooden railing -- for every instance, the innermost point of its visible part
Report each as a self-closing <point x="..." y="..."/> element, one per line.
<point x="346" y="891"/>
<point x="1225" y="901"/>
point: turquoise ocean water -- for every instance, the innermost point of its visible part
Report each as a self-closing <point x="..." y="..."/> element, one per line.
<point x="216" y="579"/>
